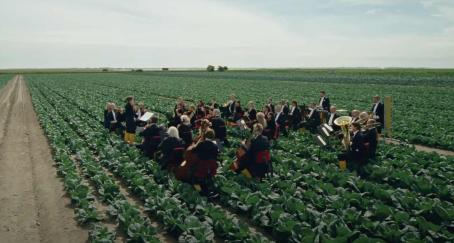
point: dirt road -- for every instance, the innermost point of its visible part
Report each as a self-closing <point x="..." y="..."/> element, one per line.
<point x="33" y="205"/>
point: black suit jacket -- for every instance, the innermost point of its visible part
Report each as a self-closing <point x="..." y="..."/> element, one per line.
<point x="280" y="120"/>
<point x="295" y="117"/>
<point x="357" y="147"/>
<point x="219" y="128"/>
<point x="325" y="103"/>
<point x="285" y="109"/>
<point x="380" y="112"/>
<point x="129" y="118"/>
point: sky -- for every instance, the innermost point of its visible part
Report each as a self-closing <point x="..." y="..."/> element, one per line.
<point x="235" y="33"/>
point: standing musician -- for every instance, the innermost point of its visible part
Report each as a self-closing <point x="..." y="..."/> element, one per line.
<point x="130" y="134"/>
<point x="253" y="157"/>
<point x="185" y="130"/>
<point x="378" y="111"/>
<point x="332" y="115"/>
<point x="355" y="156"/>
<point x="110" y="117"/>
<point x="203" y="168"/>
<point x="151" y="137"/>
<point x="172" y="150"/>
<point x="324" y="101"/>
<point x="294" y="115"/>
<point x="371" y="138"/>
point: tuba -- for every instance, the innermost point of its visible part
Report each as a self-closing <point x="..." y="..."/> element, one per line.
<point x="344" y="122"/>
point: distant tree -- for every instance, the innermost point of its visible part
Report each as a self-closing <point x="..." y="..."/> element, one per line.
<point x="221" y="69"/>
<point x="165" y="69"/>
<point x="105" y="70"/>
<point x="139" y="70"/>
<point x="210" y="68"/>
<point x="226" y="68"/>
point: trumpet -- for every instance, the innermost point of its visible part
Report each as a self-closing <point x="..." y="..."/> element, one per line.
<point x="344" y="122"/>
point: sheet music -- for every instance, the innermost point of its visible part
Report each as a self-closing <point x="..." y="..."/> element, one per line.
<point x="146" y="116"/>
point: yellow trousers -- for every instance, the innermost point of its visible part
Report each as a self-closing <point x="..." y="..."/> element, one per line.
<point x="130" y="137"/>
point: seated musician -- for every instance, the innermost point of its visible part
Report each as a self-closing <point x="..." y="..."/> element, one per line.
<point x="363" y="118"/>
<point x="214" y="104"/>
<point x="355" y="115"/>
<point x="280" y="120"/>
<point x="257" y="160"/>
<point x="270" y="129"/>
<point x="251" y="113"/>
<point x="139" y="113"/>
<point x="371" y="138"/>
<point x="230" y="106"/>
<point x="191" y="114"/>
<point x="201" y="110"/>
<point x="238" y="112"/>
<point x="178" y="111"/>
<point x="110" y="117"/>
<point x="332" y="115"/>
<point x="270" y="105"/>
<point x="312" y="119"/>
<point x="294" y="115"/>
<point x="219" y="128"/>
<point x="172" y="150"/>
<point x="285" y="107"/>
<point x="356" y="155"/>
<point x="185" y="130"/>
<point x="378" y="112"/>
<point x="205" y="124"/>
<point x="151" y="137"/>
<point x="203" y="169"/>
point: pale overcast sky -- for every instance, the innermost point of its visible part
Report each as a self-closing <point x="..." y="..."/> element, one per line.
<point x="236" y="33"/>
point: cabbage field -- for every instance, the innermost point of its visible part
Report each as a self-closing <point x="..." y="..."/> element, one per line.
<point x="407" y="197"/>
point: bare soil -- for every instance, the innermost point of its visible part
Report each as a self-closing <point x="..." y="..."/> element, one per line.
<point x="33" y="204"/>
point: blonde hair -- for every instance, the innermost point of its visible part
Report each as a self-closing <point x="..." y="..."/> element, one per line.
<point x="364" y="116"/>
<point x="185" y="119"/>
<point x="261" y="119"/>
<point x="173" y="132"/>
<point x="258" y="129"/>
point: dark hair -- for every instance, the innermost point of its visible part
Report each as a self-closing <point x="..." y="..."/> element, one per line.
<point x="322" y="91"/>
<point x="356" y="125"/>
<point x="129" y="98"/>
<point x="209" y="133"/>
<point x="294" y="102"/>
<point x="154" y="120"/>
